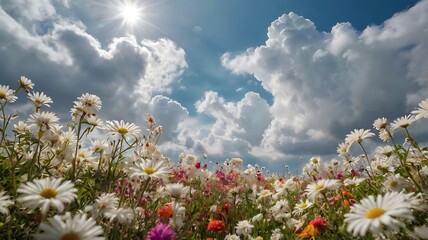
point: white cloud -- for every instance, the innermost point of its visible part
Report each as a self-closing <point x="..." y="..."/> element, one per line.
<point x="324" y="84"/>
<point x="64" y="60"/>
<point x="238" y="126"/>
<point x="32" y="10"/>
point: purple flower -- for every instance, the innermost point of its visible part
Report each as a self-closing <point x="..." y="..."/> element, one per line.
<point x="161" y="231"/>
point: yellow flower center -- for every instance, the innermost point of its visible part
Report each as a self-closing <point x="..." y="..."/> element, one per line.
<point x="304" y="205"/>
<point x="70" y="236"/>
<point x="315" y="161"/>
<point x="149" y="170"/>
<point x="393" y="184"/>
<point x="48" y="193"/>
<point x="2" y="95"/>
<point x="122" y="130"/>
<point x="375" y="213"/>
<point x="319" y="187"/>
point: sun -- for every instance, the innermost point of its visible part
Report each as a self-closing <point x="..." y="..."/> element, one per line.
<point x="130" y="13"/>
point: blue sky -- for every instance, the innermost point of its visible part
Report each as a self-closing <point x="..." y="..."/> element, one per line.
<point x="268" y="81"/>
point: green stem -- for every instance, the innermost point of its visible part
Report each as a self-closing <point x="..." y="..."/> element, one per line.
<point x="79" y="128"/>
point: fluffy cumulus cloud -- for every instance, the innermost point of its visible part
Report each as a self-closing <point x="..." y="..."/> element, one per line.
<point x="325" y="84"/>
<point x="238" y="126"/>
<point x="65" y="60"/>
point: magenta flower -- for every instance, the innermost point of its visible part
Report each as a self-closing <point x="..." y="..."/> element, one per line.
<point x="161" y="231"/>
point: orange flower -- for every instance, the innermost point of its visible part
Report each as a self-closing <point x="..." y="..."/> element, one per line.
<point x="309" y="231"/>
<point x="347" y="194"/>
<point x="165" y="212"/>
<point x="216" y="226"/>
<point x="346" y="203"/>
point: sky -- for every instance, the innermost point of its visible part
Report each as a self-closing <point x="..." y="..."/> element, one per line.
<point x="270" y="81"/>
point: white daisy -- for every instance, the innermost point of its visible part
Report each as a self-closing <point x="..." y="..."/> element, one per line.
<point x="150" y="169"/>
<point x="122" y="215"/>
<point x="372" y="214"/>
<point x="302" y="205"/>
<point x="353" y="182"/>
<point x="99" y="146"/>
<point x="21" y="127"/>
<point x="6" y="94"/>
<point x="422" y="111"/>
<point x="5" y="202"/>
<point x="88" y="103"/>
<point x="25" y="83"/>
<point x="174" y="189"/>
<point x="380" y="123"/>
<point x="43" y="120"/>
<point x="357" y="136"/>
<point x="122" y="128"/>
<point x="67" y="227"/>
<point x="39" y="99"/>
<point x="385" y="135"/>
<point x="232" y="237"/>
<point x="244" y="228"/>
<point x="402" y="122"/>
<point x="43" y="193"/>
<point x="105" y="204"/>
<point x="321" y="186"/>
<point x="395" y="183"/>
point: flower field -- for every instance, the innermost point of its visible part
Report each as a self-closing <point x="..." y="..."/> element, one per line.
<point x="100" y="179"/>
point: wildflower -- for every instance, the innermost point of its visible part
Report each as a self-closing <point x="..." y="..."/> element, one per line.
<point x="302" y="205"/>
<point x="232" y="237"/>
<point x="236" y="161"/>
<point x="5" y="202"/>
<point x="165" y="212"/>
<point x="371" y="214"/>
<point x="385" y="135"/>
<point x="161" y="231"/>
<point x="280" y="210"/>
<point x="122" y="128"/>
<point x="309" y="231"/>
<point x="106" y="203"/>
<point x="216" y="226"/>
<point x="380" y="123"/>
<point x="150" y="169"/>
<point x="25" y="83"/>
<point x="323" y="185"/>
<point x="21" y="127"/>
<point x="39" y="99"/>
<point x="353" y="182"/>
<point x="68" y="227"/>
<point x="422" y="111"/>
<point x="43" y="120"/>
<point x="123" y="215"/>
<point x="244" y="228"/>
<point x="277" y="234"/>
<point x="94" y="121"/>
<point x="319" y="222"/>
<point x="343" y="149"/>
<point x="357" y="136"/>
<point x="179" y="213"/>
<point x="402" y="122"/>
<point x="99" y="146"/>
<point x="316" y="161"/>
<point x="174" y="189"/>
<point x="6" y="94"/>
<point x="87" y="103"/>
<point x="395" y="183"/>
<point x="47" y="192"/>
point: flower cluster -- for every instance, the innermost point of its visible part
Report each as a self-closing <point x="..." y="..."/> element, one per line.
<point x="107" y="179"/>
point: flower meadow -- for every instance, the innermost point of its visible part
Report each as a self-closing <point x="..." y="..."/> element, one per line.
<point x="107" y="179"/>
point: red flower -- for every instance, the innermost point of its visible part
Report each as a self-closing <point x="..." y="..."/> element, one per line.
<point x="318" y="222"/>
<point x="216" y="226"/>
<point x="165" y="212"/>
